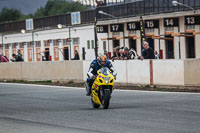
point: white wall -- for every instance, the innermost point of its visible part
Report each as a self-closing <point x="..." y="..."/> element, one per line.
<point x="168" y="72"/>
<point x="138" y="72"/>
<point x="84" y="33"/>
<point x="121" y="68"/>
<point x="165" y="72"/>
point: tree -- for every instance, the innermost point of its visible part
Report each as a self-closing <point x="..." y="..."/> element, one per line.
<point x="55" y="7"/>
<point x="52" y="7"/>
<point x="8" y="15"/>
<point x="39" y="13"/>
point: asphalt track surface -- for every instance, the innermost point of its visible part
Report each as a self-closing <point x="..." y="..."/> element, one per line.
<point x="46" y="109"/>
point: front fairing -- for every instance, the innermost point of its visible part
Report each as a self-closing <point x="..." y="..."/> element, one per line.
<point x="104" y="78"/>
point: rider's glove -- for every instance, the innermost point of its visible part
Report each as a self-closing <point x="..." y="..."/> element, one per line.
<point x="115" y="74"/>
<point x="94" y="77"/>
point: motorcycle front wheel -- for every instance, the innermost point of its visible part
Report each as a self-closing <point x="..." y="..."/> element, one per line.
<point x="94" y="105"/>
<point x="106" y="99"/>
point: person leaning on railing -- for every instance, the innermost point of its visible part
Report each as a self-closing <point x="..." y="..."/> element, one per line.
<point x="116" y="54"/>
<point x="16" y="58"/>
<point x="76" y="55"/>
<point x="3" y="59"/>
<point x="147" y="52"/>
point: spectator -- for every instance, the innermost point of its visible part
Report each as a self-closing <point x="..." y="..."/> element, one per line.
<point x="76" y="56"/>
<point x="3" y="59"/>
<point x="17" y="58"/>
<point x="126" y="53"/>
<point x="116" y="54"/>
<point x="147" y="52"/>
<point x="121" y="52"/>
<point x="19" y="53"/>
<point x="157" y="55"/>
<point x="133" y="54"/>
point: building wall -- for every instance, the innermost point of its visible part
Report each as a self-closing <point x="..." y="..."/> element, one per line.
<point x="86" y="35"/>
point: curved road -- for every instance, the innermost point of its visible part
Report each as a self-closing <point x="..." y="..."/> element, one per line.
<point x="46" y="109"/>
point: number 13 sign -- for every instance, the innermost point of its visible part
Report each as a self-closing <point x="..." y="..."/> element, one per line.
<point x="192" y="20"/>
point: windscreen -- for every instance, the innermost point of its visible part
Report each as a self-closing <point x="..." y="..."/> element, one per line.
<point x="105" y="71"/>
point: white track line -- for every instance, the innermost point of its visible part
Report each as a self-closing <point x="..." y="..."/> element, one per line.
<point x="81" y="88"/>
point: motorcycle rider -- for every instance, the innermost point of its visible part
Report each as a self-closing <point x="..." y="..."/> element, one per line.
<point x="97" y="64"/>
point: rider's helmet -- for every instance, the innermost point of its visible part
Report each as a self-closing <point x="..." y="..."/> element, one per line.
<point x="102" y="60"/>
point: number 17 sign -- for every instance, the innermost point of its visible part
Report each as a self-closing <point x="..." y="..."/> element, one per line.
<point x="117" y="27"/>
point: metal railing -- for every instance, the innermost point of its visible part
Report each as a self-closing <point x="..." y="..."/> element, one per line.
<point x="125" y="10"/>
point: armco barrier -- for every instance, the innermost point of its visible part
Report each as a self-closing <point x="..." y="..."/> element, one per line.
<point x="155" y="72"/>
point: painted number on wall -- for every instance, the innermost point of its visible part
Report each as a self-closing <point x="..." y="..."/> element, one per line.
<point x="192" y="20"/>
<point x="171" y="22"/>
<point x="102" y="28"/>
<point x="133" y="26"/>
<point x="117" y="27"/>
<point x="152" y="23"/>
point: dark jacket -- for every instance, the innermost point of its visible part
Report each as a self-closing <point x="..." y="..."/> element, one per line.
<point x="148" y="53"/>
<point x="76" y="57"/>
<point x="18" y="58"/>
<point x="95" y="66"/>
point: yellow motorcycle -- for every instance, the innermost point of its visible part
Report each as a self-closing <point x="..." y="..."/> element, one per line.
<point x="102" y="88"/>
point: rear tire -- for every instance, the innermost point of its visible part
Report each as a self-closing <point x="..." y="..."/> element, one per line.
<point x="106" y="99"/>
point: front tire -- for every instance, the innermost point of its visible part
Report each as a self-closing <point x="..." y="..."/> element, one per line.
<point x="106" y="99"/>
<point x="94" y="105"/>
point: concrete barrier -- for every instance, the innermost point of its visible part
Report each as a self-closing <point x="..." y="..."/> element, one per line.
<point x="86" y="65"/>
<point x="65" y="70"/>
<point x="11" y="71"/>
<point x="168" y="72"/>
<point x="121" y="68"/>
<point x="138" y="72"/>
<point x="192" y="72"/>
<point x="159" y="72"/>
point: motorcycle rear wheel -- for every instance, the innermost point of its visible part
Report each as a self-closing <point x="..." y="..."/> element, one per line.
<point x="106" y="99"/>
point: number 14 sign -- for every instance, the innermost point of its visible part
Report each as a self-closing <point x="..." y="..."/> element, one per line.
<point x="171" y="22"/>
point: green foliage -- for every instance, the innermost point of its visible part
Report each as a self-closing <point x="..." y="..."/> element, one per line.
<point x="52" y="7"/>
<point x="8" y="15"/>
<point x="23" y="17"/>
<point x="55" y="7"/>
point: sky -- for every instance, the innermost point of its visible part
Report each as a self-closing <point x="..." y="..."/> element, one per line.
<point x="26" y="6"/>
